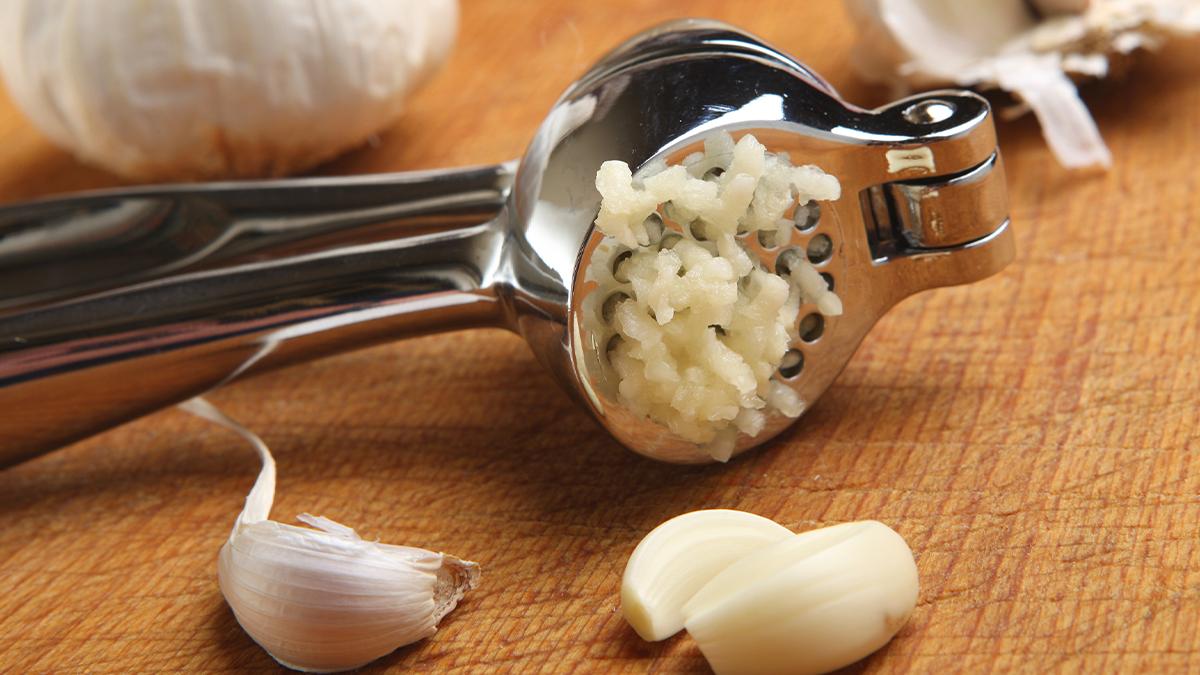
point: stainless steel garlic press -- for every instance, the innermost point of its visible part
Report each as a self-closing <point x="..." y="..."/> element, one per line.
<point x="117" y="303"/>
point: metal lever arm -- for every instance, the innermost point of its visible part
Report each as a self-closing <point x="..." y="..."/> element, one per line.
<point x="63" y="248"/>
<point x="271" y="290"/>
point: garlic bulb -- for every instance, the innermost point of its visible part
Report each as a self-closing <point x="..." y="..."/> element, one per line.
<point x="217" y="88"/>
<point x="758" y="599"/>
<point x="325" y="600"/>
<point x="1031" y="48"/>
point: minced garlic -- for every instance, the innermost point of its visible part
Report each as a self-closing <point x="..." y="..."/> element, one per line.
<point x="703" y="326"/>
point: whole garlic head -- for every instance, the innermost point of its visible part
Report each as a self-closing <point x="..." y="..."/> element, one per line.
<point x="1031" y="48"/>
<point x="192" y="89"/>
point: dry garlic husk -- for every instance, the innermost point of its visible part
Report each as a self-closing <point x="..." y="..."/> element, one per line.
<point x="679" y="556"/>
<point x="1031" y="48"/>
<point x="703" y="327"/>
<point x="325" y="600"/>
<point x="193" y="89"/>
<point x="782" y="605"/>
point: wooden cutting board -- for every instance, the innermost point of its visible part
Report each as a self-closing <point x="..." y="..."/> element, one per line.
<point x="1034" y="437"/>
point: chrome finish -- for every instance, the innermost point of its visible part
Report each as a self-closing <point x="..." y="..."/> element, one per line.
<point x="88" y="340"/>
<point x="951" y="210"/>
<point x="67" y="247"/>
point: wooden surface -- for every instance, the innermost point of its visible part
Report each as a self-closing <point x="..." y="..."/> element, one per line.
<point x="1034" y="437"/>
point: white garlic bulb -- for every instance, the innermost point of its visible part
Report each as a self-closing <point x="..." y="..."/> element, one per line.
<point x="758" y="599"/>
<point x="1031" y="48"/>
<point x="217" y="88"/>
<point x="325" y="600"/>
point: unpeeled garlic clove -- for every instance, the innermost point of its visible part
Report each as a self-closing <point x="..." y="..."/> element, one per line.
<point x="1032" y="48"/>
<point x="324" y="599"/>
<point x="810" y="603"/>
<point x="679" y="556"/>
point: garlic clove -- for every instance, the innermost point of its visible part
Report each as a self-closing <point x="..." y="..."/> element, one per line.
<point x="325" y="600"/>
<point x="1031" y="48"/>
<point x="810" y="603"/>
<point x="679" y="556"/>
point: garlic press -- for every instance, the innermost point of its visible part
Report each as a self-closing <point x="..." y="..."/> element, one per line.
<point x="114" y="304"/>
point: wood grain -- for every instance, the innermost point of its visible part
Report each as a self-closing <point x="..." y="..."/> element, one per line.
<point x="1034" y="436"/>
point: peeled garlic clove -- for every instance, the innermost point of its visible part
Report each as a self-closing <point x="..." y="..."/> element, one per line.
<point x="325" y="600"/>
<point x="810" y="603"/>
<point x="678" y="557"/>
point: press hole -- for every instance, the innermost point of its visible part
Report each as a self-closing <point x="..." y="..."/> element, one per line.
<point x="767" y="238"/>
<point x="654" y="227"/>
<point x="699" y="230"/>
<point x="793" y="363"/>
<point x="812" y="327"/>
<point x="619" y="270"/>
<point x="828" y="279"/>
<point x="613" y="343"/>
<point x="713" y="173"/>
<point x="785" y="261"/>
<point x="820" y="248"/>
<point x="673" y="213"/>
<point x="669" y="240"/>
<point x="609" y="309"/>
<point x="807" y="215"/>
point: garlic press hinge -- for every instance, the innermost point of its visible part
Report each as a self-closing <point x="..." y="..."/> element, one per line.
<point x="935" y="212"/>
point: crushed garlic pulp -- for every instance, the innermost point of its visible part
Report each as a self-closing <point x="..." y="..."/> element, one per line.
<point x="703" y="326"/>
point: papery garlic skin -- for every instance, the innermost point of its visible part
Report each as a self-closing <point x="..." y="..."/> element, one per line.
<point x="195" y="89"/>
<point x="1031" y="49"/>
<point x="808" y="604"/>
<point x="325" y="600"/>
<point x="679" y="556"/>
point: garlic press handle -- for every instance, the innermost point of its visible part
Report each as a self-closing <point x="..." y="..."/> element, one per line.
<point x="67" y="247"/>
<point x="117" y="304"/>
